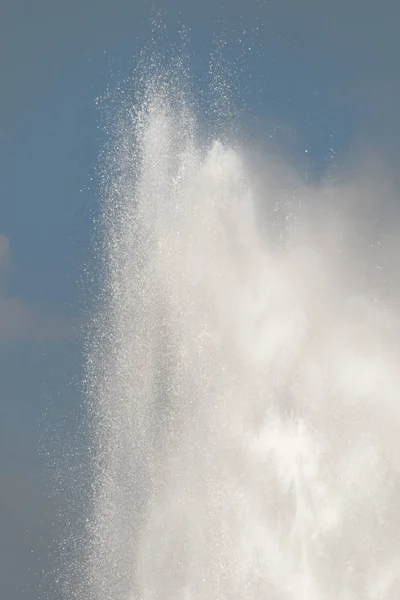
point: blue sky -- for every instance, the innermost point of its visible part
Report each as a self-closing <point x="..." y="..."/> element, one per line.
<point x="321" y="77"/>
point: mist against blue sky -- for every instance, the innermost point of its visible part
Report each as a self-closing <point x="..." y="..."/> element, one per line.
<point x="318" y="80"/>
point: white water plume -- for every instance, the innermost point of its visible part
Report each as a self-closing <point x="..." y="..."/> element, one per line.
<point x="244" y="378"/>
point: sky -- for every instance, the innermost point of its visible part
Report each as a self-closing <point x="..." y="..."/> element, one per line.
<point x="321" y="80"/>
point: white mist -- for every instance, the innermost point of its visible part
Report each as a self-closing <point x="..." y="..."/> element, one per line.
<point x="244" y="381"/>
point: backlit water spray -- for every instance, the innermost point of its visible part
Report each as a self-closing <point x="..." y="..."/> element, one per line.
<point x="243" y="376"/>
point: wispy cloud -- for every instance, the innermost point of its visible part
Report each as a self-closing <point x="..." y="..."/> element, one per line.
<point x="4" y="252"/>
<point x="20" y="321"/>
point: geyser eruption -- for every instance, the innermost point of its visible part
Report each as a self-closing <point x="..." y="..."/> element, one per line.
<point x="243" y="379"/>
